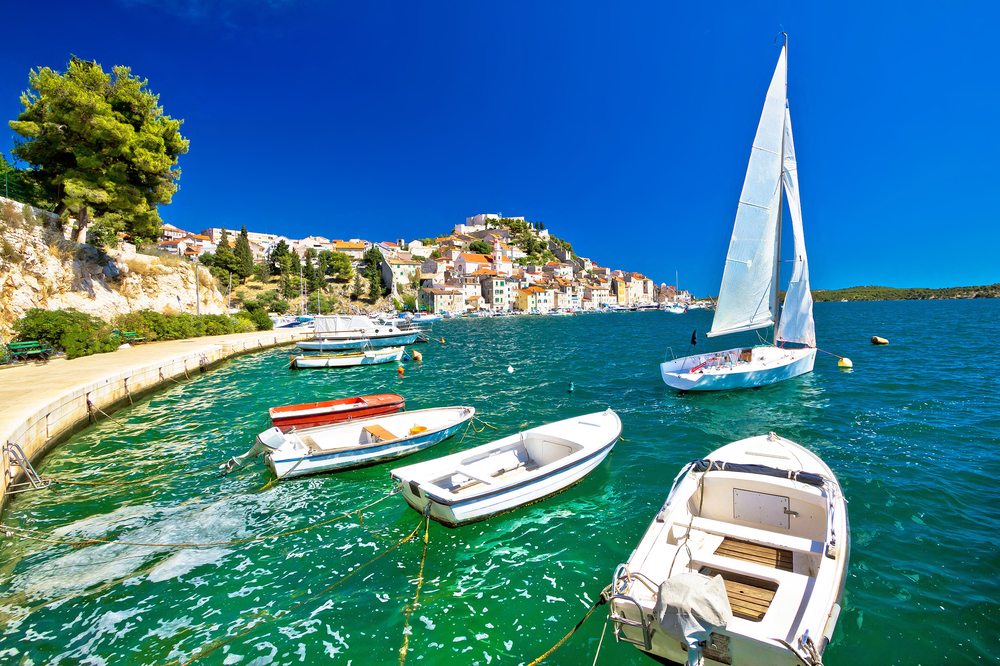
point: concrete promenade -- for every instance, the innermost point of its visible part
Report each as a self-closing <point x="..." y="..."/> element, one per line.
<point x="40" y="405"/>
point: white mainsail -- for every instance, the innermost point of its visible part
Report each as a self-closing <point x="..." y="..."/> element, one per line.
<point x="748" y="282"/>
<point x="796" y="323"/>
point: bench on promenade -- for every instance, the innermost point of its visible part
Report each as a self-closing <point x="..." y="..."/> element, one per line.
<point x="128" y="336"/>
<point x="24" y="351"/>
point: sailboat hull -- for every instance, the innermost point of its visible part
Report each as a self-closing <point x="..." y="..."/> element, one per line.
<point x="723" y="371"/>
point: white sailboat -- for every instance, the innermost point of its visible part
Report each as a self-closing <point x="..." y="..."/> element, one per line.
<point x="748" y="298"/>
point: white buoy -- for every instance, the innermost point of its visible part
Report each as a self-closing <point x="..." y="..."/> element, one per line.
<point x="510" y="368"/>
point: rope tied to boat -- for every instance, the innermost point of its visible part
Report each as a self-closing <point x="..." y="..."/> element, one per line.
<point x="26" y="533"/>
<point x="408" y="611"/>
<point x="601" y="600"/>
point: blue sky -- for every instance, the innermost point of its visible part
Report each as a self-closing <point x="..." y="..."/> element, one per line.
<point x="625" y="129"/>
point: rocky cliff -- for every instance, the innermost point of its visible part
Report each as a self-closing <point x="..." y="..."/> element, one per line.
<point x="41" y="269"/>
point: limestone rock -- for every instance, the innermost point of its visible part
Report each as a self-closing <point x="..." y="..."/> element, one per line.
<point x="48" y="272"/>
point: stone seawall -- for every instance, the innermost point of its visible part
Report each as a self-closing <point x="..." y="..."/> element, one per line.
<point x="42" y="405"/>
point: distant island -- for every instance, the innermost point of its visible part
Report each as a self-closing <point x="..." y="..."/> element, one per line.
<point x="909" y="294"/>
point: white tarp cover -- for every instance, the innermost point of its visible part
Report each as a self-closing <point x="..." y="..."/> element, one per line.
<point x="689" y="606"/>
<point x="748" y="282"/>
<point x="338" y="324"/>
<point x="796" y="322"/>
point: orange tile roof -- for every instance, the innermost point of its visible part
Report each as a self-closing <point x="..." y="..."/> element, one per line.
<point x="350" y="246"/>
<point x="476" y="258"/>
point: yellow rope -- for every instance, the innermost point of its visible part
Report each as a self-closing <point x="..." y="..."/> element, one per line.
<point x="416" y="598"/>
<point x="308" y="599"/>
<point x="146" y="479"/>
<point x="25" y="533"/>
<point x="571" y="632"/>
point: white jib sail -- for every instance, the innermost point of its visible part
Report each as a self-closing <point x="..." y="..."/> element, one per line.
<point x="748" y="284"/>
<point x="796" y="323"/>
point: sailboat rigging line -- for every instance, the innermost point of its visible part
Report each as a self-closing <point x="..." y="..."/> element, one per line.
<point x="304" y="601"/>
<point x="26" y="533"/>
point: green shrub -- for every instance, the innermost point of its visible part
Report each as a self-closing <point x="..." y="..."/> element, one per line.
<point x="74" y="332"/>
<point x="255" y="312"/>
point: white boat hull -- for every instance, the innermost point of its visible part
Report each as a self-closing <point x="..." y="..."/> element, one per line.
<point x="766" y="534"/>
<point x="592" y="437"/>
<point x="370" y="357"/>
<point x="334" y="344"/>
<point x="340" y="447"/>
<point x="715" y="372"/>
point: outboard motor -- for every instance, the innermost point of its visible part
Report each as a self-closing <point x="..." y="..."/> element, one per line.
<point x="269" y="440"/>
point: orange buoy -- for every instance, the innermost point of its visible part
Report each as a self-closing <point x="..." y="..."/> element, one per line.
<point x="399" y="371"/>
<point x="442" y="340"/>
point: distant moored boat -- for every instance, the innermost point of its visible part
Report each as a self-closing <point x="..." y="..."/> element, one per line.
<point x="312" y="414"/>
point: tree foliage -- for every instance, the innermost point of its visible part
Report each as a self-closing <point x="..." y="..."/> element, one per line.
<point x="99" y="143"/>
<point x="278" y="252"/>
<point x="243" y="256"/>
<point x="481" y="247"/>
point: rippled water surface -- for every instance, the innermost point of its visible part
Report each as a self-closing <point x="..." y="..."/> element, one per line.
<point x="912" y="432"/>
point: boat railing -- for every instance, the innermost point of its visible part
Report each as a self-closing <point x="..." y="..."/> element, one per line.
<point x="618" y="622"/>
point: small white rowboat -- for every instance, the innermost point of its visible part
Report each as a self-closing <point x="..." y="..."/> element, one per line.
<point x="510" y="472"/>
<point x="358" y="443"/>
<point x="349" y="360"/>
<point x="744" y="564"/>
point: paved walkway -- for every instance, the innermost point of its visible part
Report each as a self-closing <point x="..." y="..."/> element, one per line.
<point x="41" y="402"/>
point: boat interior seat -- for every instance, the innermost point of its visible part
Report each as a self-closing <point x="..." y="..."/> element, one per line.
<point x="790" y="590"/>
<point x="763" y="537"/>
<point x="376" y="433"/>
<point x="310" y="443"/>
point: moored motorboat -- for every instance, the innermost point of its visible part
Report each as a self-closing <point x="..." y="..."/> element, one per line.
<point x="510" y="472"/>
<point x="354" y="332"/>
<point x="745" y="563"/>
<point x="312" y="414"/>
<point x="356" y="443"/>
<point x="349" y="359"/>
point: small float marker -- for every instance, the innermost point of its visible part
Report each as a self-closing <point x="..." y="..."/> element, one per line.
<point x="845" y="363"/>
<point x="571" y="387"/>
<point x="399" y="371"/>
<point x="510" y="368"/>
<point x="876" y="340"/>
<point x="417" y="356"/>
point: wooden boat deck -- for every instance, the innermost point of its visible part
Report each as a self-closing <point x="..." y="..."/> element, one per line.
<point x="775" y="558"/>
<point x="750" y="597"/>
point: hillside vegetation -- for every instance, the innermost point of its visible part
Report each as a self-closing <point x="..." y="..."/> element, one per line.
<point x="909" y="294"/>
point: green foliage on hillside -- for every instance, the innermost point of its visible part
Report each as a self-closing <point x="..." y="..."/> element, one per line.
<point x="80" y="334"/>
<point x="873" y="293"/>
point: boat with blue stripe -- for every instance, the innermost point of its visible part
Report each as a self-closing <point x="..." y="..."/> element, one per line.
<point x="358" y="443"/>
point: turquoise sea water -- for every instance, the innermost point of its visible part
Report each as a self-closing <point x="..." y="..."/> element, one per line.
<point x="912" y="432"/>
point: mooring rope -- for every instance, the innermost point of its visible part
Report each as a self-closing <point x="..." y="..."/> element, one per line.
<point x="304" y="601"/>
<point x="26" y="533"/>
<point x="408" y="611"/>
<point x="601" y="600"/>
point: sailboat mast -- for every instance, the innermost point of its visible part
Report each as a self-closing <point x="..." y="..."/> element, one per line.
<point x="781" y="205"/>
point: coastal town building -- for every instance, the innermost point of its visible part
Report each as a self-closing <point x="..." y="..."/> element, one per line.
<point x="438" y="300"/>
<point x="397" y="271"/>
<point x="497" y="292"/>
<point x="353" y="249"/>
<point x="534" y="299"/>
<point x="469" y="262"/>
<point x="215" y="235"/>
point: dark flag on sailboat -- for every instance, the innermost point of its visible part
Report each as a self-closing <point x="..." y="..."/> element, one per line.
<point x="694" y="337"/>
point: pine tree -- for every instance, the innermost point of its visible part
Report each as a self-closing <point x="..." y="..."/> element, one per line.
<point x="100" y="144"/>
<point x="243" y="256"/>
